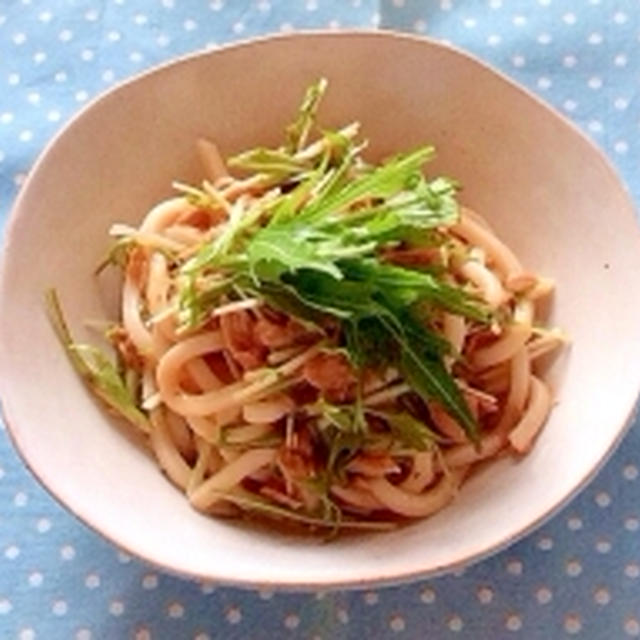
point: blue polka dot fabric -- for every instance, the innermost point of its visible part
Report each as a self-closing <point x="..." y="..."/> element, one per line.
<point x="579" y="575"/>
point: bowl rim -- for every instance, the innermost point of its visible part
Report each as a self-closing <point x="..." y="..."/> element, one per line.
<point x="382" y="579"/>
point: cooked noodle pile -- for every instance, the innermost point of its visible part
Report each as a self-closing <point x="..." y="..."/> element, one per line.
<point x="322" y="340"/>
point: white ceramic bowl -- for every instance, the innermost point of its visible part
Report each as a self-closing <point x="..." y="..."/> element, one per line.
<point x="547" y="190"/>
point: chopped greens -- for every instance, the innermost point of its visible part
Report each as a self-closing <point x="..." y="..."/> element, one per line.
<point x="314" y="249"/>
<point x="95" y="368"/>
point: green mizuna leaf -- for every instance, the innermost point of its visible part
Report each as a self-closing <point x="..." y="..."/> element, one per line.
<point x="96" y="369"/>
<point x="269" y="161"/>
<point x="298" y="131"/>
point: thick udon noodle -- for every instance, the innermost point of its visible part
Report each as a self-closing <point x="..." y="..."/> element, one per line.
<point x="227" y="407"/>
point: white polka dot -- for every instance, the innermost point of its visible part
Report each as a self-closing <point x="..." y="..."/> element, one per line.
<point x="163" y="40"/>
<point x="544" y="83"/>
<point x="595" y="38"/>
<point x="428" y="595"/>
<point x="1" y="159"/>
<point x="123" y="557"/>
<point x="83" y="634"/>
<point x="286" y="27"/>
<point x="371" y="598"/>
<point x="35" y="579"/>
<point x="513" y="622"/>
<point x="514" y="567"/>
<point x="484" y="595"/>
<point x="621" y="147"/>
<point x="116" y="608"/>
<point x="311" y="5"/>
<point x="12" y="552"/>
<point x="233" y="615"/>
<point x="33" y="97"/>
<point x="569" y="61"/>
<point x="495" y="4"/>
<point x="59" y="608"/>
<point x="291" y="621"/>
<point x="92" y="581"/>
<point x="518" y="61"/>
<point x="632" y="627"/>
<point x="13" y="79"/>
<point x="26" y="634"/>
<point x="494" y="40"/>
<point x="189" y="25"/>
<point x="545" y="543"/>
<point x="168" y="4"/>
<point x="620" y="17"/>
<point x="569" y="18"/>
<point x="61" y="76"/>
<point x="594" y="82"/>
<point x="52" y="116"/>
<point x="544" y="38"/>
<point x="21" y="498"/>
<point x="519" y="21"/>
<point x="108" y="75"/>
<point x="5" y="606"/>
<point x="113" y="36"/>
<point x="19" y="38"/>
<point x="6" y="118"/>
<point x="603" y="546"/>
<point x="420" y="26"/>
<point x="265" y="594"/>
<point x="81" y="95"/>
<point x="621" y="104"/>
<point x="603" y="499"/>
<point x="445" y="5"/>
<point x="334" y="24"/>
<point x="175" y="610"/>
<point x="602" y="596"/>
<point x="142" y="634"/>
<point x="238" y="27"/>
<point x="140" y="19"/>
<point x="632" y="570"/>
<point x="19" y="178"/>
<point x="87" y="55"/>
<point x="573" y="568"/>
<point x="620" y="60"/>
<point x="397" y="624"/>
<point x="65" y="35"/>
<point x="2" y="472"/>
<point x="67" y="552"/>
<point x="216" y="5"/>
<point x="469" y="23"/>
<point x="544" y="595"/>
<point x="455" y="623"/>
<point x="91" y="15"/>
<point x="45" y="16"/>
<point x="595" y="126"/>
<point x="207" y="587"/>
<point x="632" y="523"/>
<point x="572" y="623"/>
<point x="39" y="57"/>
<point x="342" y="615"/>
<point x="150" y="581"/>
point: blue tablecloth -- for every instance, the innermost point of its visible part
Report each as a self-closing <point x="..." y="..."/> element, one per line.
<point x="578" y="575"/>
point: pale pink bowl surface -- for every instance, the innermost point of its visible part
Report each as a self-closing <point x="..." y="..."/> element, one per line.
<point x="547" y="190"/>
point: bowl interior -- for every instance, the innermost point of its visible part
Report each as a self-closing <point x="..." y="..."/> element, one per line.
<point x="546" y="190"/>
